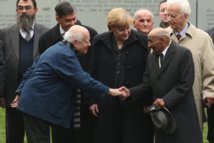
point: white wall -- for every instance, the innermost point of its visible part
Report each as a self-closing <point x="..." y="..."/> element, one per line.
<point x="93" y="12"/>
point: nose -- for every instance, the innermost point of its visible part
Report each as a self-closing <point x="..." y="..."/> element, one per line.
<point x="73" y="22"/>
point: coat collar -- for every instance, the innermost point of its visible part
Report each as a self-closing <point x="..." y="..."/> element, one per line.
<point x="191" y="31"/>
<point x="108" y="37"/>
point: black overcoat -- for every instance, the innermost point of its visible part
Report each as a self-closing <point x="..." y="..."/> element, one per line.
<point x="173" y="82"/>
<point x="120" y="121"/>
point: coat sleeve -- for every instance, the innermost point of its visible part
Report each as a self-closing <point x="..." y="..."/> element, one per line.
<point x="71" y="71"/>
<point x="143" y="91"/>
<point x="208" y="68"/>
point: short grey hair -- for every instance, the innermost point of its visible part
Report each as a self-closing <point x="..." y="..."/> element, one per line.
<point x="184" y="5"/>
<point x="71" y="36"/>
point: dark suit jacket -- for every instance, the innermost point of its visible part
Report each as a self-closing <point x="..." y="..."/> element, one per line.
<point x="210" y="111"/>
<point x="11" y="55"/>
<point x="173" y="82"/>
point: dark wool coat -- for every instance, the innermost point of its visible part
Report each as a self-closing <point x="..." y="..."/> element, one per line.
<point x="120" y="121"/>
<point x="173" y="82"/>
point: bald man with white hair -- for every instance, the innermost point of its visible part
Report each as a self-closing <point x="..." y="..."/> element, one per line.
<point x="47" y="93"/>
<point x="168" y="80"/>
<point x="143" y="21"/>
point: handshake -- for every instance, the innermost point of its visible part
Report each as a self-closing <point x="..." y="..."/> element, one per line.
<point x="122" y="92"/>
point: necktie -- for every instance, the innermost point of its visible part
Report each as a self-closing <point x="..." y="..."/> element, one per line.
<point x="28" y="36"/>
<point x="178" y="36"/>
<point x="160" y="59"/>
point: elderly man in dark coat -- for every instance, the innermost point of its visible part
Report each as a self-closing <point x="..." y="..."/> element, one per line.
<point x="169" y="82"/>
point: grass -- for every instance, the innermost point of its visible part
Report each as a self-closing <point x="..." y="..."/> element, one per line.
<point x="2" y="128"/>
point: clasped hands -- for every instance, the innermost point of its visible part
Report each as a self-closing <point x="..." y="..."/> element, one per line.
<point x="123" y="92"/>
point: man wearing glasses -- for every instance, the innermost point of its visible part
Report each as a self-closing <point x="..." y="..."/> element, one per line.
<point x="20" y="46"/>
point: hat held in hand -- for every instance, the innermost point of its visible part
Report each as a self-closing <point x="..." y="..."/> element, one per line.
<point x="162" y="119"/>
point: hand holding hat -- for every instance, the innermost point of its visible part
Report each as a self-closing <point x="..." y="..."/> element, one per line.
<point x="162" y="119"/>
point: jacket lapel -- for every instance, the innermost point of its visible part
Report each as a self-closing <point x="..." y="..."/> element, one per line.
<point x="14" y="33"/>
<point x="37" y="31"/>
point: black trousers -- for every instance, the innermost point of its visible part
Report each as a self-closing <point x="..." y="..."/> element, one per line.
<point x="210" y="115"/>
<point x="14" y="126"/>
<point x="84" y="134"/>
<point x="37" y="130"/>
<point x="60" y="134"/>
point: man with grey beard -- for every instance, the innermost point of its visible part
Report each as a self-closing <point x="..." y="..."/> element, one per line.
<point x="20" y="48"/>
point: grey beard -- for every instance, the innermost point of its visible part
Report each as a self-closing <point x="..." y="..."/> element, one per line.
<point x="25" y="21"/>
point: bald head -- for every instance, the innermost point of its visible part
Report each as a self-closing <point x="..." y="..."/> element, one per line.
<point x="159" y="39"/>
<point x="79" y="37"/>
<point x="159" y="32"/>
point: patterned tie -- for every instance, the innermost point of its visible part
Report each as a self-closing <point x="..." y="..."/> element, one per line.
<point x="178" y="36"/>
<point x="28" y="36"/>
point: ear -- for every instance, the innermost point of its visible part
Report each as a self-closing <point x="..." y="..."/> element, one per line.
<point x="75" y="43"/>
<point x="35" y="9"/>
<point x="186" y="16"/>
<point x="57" y="18"/>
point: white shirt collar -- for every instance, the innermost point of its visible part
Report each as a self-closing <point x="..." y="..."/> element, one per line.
<point x="183" y="32"/>
<point x="24" y="33"/>
<point x="62" y="31"/>
<point x="165" y="50"/>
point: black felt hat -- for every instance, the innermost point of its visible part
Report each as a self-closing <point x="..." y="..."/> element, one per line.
<point x="162" y="119"/>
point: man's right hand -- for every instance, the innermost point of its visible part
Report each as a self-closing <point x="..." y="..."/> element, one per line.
<point x="2" y="102"/>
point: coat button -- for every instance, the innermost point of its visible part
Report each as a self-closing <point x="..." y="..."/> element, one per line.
<point x="128" y="67"/>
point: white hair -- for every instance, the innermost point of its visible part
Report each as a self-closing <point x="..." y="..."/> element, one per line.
<point x="71" y="36"/>
<point x="184" y="5"/>
<point x="142" y="11"/>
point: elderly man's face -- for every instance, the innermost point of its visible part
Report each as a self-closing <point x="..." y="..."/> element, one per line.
<point x="144" y="23"/>
<point x="177" y="19"/>
<point x="155" y="44"/>
<point x="82" y="46"/>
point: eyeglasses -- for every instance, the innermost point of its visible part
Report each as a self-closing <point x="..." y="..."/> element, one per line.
<point x="28" y="7"/>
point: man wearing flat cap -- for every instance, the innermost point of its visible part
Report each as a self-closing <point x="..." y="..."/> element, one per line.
<point x="168" y="79"/>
